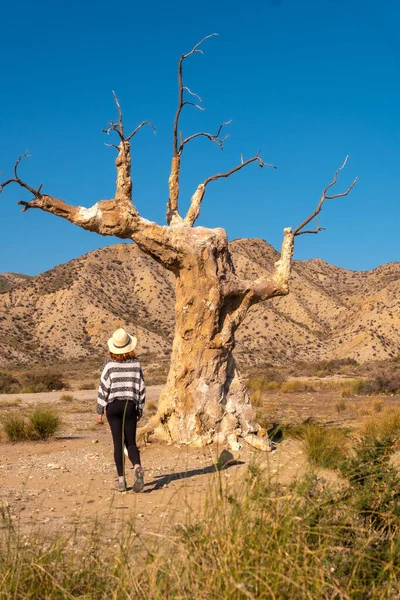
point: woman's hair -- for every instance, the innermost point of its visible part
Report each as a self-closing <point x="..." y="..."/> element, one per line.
<point x="123" y="357"/>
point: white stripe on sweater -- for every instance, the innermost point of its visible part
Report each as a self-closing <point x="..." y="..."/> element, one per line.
<point x="121" y="381"/>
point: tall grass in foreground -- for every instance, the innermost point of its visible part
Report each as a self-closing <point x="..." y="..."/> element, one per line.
<point x="254" y="541"/>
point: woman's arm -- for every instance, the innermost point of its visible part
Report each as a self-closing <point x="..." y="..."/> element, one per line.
<point x="103" y="393"/>
<point x="141" y="395"/>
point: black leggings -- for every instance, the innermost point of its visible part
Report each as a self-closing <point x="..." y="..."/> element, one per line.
<point x="115" y="414"/>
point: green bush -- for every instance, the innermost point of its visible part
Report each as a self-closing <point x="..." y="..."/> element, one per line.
<point x="15" y="428"/>
<point x="44" y="423"/>
<point x="9" y="384"/>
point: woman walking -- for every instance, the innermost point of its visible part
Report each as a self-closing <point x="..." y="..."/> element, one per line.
<point x="122" y="394"/>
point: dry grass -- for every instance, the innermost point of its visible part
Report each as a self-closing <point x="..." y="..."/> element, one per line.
<point x="67" y="398"/>
<point x="15" y="428"/>
<point x="296" y="386"/>
<point x="151" y="407"/>
<point x="347" y="392"/>
<point x="89" y="385"/>
<point x="341" y="406"/>
<point x="10" y="403"/>
<point x="256" y="399"/>
<point x="80" y="407"/>
<point x="384" y="426"/>
<point x="252" y="541"/>
<point x="324" y="447"/>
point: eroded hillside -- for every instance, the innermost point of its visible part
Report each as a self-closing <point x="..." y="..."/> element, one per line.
<point x="71" y="310"/>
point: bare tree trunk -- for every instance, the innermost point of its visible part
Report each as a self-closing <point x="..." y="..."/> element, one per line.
<point x="204" y="398"/>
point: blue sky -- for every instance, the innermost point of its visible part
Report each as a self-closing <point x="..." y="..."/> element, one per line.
<point x="305" y="81"/>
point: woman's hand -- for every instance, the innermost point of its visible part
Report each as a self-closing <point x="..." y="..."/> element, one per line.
<point x="100" y="419"/>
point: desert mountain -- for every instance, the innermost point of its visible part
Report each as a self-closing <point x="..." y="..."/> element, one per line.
<point x="71" y="310"/>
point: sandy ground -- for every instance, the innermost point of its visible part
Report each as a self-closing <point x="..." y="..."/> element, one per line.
<point x="71" y="478"/>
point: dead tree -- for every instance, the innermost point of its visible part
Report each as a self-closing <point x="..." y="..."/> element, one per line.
<point x="204" y="398"/>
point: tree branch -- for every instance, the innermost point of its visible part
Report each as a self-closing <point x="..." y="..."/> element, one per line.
<point x="182" y="88"/>
<point x="16" y="179"/>
<point x="216" y="139"/>
<point x="197" y="198"/>
<point x="173" y="216"/>
<point x="324" y="196"/>
<point x="123" y="162"/>
<point x="241" y="294"/>
<point x="111" y="217"/>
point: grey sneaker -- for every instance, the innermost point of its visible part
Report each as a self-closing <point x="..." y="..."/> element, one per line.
<point x="120" y="486"/>
<point x="138" y="483"/>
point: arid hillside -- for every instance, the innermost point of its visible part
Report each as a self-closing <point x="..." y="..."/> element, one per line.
<point x="71" y="310"/>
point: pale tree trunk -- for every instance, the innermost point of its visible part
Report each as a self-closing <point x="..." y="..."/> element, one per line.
<point x="204" y="399"/>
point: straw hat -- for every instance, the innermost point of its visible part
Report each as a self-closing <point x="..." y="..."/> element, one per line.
<point x="121" y="342"/>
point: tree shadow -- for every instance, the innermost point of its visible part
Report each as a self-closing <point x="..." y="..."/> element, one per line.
<point x="65" y="438"/>
<point x="162" y="480"/>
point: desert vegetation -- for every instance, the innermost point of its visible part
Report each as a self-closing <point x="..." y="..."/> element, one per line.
<point x="331" y="533"/>
<point x="31" y="382"/>
<point x="353" y="379"/>
<point x="41" y="424"/>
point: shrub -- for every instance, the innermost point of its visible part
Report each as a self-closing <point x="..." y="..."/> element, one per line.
<point x="383" y="382"/>
<point x="44" y="423"/>
<point x="151" y="407"/>
<point x="374" y="481"/>
<point x="89" y="386"/>
<point x="9" y="384"/>
<point x="46" y="382"/>
<point x="365" y="387"/>
<point x="324" y="368"/>
<point x="270" y="380"/>
<point x="324" y="447"/>
<point x="341" y="406"/>
<point x="15" y="428"/>
<point x="386" y="426"/>
<point x="347" y="392"/>
<point x="67" y="398"/>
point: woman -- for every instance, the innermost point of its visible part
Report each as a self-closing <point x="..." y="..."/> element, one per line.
<point x="122" y="393"/>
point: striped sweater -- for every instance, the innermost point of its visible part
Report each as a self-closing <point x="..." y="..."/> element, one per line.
<point x="121" y="381"/>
